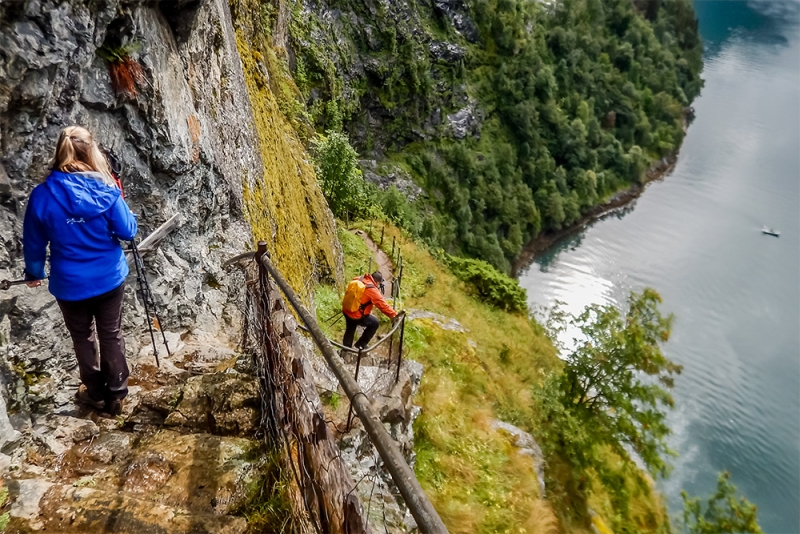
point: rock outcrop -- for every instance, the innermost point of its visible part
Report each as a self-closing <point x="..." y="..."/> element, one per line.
<point x="387" y="175"/>
<point x="390" y="71"/>
<point x="193" y="138"/>
<point x="527" y="447"/>
<point x="445" y="323"/>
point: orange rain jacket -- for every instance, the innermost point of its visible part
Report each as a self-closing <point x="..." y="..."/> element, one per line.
<point x="372" y="295"/>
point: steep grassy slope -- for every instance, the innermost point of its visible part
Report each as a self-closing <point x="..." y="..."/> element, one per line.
<point x="475" y="477"/>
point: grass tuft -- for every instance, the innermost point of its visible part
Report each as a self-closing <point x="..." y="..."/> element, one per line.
<point x="268" y="508"/>
<point x="5" y="517"/>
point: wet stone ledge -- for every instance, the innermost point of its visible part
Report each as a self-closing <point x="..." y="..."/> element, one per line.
<point x="181" y="458"/>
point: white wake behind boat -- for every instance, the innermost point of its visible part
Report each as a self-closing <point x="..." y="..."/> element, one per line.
<point x="769" y="231"/>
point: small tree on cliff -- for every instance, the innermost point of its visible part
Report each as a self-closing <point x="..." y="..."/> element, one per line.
<point x="616" y="380"/>
<point x="342" y="184"/>
<point x="724" y="513"/>
<point x="610" y="397"/>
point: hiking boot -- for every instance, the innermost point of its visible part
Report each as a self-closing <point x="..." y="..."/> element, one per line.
<point x="82" y="396"/>
<point x="114" y="407"/>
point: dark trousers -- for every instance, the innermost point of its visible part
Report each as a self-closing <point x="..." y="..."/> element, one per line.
<point x="370" y="324"/>
<point x="106" y="376"/>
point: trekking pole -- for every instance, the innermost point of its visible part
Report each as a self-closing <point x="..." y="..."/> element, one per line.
<point x="337" y="316"/>
<point x="149" y="302"/>
<point x="5" y="285"/>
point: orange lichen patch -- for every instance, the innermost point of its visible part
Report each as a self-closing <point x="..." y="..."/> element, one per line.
<point x="126" y="74"/>
<point x="194" y="128"/>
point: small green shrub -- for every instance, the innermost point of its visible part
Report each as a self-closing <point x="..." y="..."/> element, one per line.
<point x="334" y="400"/>
<point x="268" y="508"/>
<point x="336" y="162"/>
<point x="490" y="284"/>
<point x="398" y="209"/>
<point x="126" y="73"/>
<point x="85" y="482"/>
<point x="505" y="354"/>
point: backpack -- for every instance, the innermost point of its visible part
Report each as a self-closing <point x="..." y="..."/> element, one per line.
<point x="352" y="295"/>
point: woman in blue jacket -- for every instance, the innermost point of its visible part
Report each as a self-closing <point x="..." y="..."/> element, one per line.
<point x="79" y="211"/>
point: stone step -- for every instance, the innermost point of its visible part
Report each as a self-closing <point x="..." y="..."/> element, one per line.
<point x="49" y="507"/>
<point x="198" y="472"/>
<point x="84" y="473"/>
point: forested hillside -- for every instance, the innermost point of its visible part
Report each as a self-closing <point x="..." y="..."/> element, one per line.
<point x="513" y="116"/>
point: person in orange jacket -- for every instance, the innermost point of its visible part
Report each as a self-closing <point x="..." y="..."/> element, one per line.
<point x="363" y="317"/>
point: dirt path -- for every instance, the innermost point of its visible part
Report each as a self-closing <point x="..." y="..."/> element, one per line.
<point x="384" y="264"/>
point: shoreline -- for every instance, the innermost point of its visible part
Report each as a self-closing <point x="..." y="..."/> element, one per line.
<point x="621" y="199"/>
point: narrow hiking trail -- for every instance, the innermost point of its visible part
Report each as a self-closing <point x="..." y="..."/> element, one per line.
<point x="380" y="258"/>
<point x="524" y="443"/>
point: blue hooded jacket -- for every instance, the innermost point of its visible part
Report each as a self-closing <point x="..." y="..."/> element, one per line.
<point x="83" y="219"/>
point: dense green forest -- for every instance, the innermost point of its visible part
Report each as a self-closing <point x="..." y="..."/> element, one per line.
<point x="563" y="104"/>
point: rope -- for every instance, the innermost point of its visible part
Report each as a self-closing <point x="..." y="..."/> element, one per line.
<point x="371" y="347"/>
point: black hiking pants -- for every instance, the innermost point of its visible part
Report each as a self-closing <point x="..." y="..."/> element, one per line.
<point x="370" y="324"/>
<point x="105" y="375"/>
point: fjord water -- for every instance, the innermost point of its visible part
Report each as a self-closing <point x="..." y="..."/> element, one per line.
<point x="696" y="238"/>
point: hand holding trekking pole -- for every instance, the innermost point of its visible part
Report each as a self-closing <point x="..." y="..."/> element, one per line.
<point x="5" y="285"/>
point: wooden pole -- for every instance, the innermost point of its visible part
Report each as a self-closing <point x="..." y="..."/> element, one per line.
<point x="152" y="241"/>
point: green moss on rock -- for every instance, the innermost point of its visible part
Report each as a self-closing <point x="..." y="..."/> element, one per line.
<point x="285" y="205"/>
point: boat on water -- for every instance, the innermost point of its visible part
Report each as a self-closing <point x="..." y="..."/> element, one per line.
<point x="769" y="231"/>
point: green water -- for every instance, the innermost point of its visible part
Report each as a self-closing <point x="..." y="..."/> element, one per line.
<point x="696" y="238"/>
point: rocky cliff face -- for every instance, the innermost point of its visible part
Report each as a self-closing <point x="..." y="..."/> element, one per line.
<point x="392" y="72"/>
<point x="196" y="136"/>
<point x="199" y="135"/>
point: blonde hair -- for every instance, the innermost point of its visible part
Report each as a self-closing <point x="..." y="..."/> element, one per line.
<point x="76" y="151"/>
